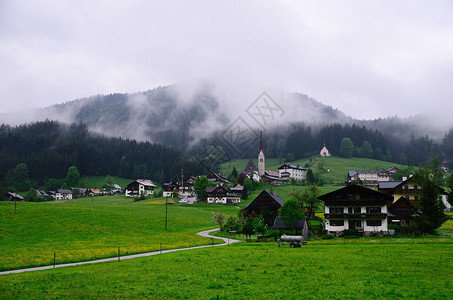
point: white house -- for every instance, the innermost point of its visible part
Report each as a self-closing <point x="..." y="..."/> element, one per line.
<point x="292" y="171"/>
<point x="62" y="194"/>
<point x="219" y="194"/>
<point x="139" y="187"/>
<point x="356" y="207"/>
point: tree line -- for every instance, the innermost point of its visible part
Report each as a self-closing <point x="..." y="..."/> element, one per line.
<point x="298" y="141"/>
<point x="35" y="153"/>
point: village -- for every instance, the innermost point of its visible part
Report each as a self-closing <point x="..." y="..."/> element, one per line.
<point x="370" y="201"/>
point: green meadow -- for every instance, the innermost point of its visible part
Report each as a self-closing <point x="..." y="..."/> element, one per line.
<point x="408" y="269"/>
<point x="90" y="228"/>
<point x="338" y="167"/>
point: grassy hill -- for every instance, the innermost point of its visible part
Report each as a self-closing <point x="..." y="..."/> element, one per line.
<point x="85" y="228"/>
<point x="338" y="167"/>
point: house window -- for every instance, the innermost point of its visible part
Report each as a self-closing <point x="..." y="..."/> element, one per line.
<point x="373" y="210"/>
<point x="336" y="210"/>
<point x="374" y="223"/>
<point x="336" y="222"/>
<point x="354" y="210"/>
<point x="357" y="196"/>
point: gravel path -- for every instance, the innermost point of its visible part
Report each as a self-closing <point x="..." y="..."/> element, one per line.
<point x="205" y="233"/>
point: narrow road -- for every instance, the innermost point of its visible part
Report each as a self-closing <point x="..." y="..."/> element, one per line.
<point x="205" y="233"/>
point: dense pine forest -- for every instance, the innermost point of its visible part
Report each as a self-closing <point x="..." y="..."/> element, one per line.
<point x="49" y="148"/>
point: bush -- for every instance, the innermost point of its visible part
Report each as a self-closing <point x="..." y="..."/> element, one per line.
<point x="351" y="232"/>
<point x="327" y="237"/>
<point x="140" y="198"/>
<point x="394" y="227"/>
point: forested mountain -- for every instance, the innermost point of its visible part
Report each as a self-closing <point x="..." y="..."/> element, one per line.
<point x="50" y="148"/>
<point x="193" y="120"/>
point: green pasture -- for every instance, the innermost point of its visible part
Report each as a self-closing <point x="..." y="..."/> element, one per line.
<point x="90" y="228"/>
<point x="406" y="269"/>
<point x="338" y="167"/>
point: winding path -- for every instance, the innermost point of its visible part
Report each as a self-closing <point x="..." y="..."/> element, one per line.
<point x="205" y="233"/>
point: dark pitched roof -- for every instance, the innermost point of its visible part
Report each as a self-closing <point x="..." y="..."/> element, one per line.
<point x="342" y="195"/>
<point x="289" y="166"/>
<point x="388" y="184"/>
<point x="273" y="196"/>
<point x="250" y="168"/>
<point x="278" y="224"/>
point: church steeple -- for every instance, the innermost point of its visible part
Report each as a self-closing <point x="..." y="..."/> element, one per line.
<point x="261" y="164"/>
<point x="261" y="139"/>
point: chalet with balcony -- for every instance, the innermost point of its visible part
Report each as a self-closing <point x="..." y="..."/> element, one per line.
<point x="401" y="212"/>
<point x="356" y="207"/>
<point x="220" y="194"/>
<point x="265" y="200"/>
<point x="168" y="189"/>
<point x="409" y="189"/>
<point x="139" y="187"/>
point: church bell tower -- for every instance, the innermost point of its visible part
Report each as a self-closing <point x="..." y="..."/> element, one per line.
<point x="261" y="166"/>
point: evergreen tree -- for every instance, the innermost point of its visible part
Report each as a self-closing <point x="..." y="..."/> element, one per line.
<point x="3" y="187"/>
<point x="290" y="213"/>
<point x="310" y="178"/>
<point x="346" y="148"/>
<point x="365" y="150"/>
<point x="200" y="188"/>
<point x="430" y="205"/>
<point x="20" y="177"/>
<point x="72" y="177"/>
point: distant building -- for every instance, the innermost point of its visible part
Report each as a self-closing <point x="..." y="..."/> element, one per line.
<point x="62" y="194"/>
<point x="324" y="152"/>
<point x="214" y="177"/>
<point x="220" y="194"/>
<point x="139" y="187"/>
<point x="265" y="200"/>
<point x="15" y="197"/>
<point x="292" y="171"/>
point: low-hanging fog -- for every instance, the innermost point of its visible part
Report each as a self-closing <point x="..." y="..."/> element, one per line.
<point x="368" y="60"/>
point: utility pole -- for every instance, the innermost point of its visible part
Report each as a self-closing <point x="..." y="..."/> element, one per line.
<point x="166" y="213"/>
<point x="182" y="175"/>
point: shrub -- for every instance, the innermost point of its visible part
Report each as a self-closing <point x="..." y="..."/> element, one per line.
<point x="394" y="227"/>
<point x="351" y="232"/>
<point x="327" y="237"/>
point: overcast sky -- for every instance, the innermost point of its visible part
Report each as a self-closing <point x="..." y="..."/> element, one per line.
<point x="367" y="58"/>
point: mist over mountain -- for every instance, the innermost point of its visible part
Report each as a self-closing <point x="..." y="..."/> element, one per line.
<point x="185" y="115"/>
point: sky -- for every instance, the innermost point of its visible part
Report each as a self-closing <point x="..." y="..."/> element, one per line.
<point x="369" y="59"/>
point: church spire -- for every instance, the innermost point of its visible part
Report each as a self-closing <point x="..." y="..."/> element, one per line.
<point x="261" y="163"/>
<point x="261" y="139"/>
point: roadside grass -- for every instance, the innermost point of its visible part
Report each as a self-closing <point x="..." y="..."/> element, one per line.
<point x="85" y="229"/>
<point x="257" y="270"/>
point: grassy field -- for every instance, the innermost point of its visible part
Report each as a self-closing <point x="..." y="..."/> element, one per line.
<point x="325" y="270"/>
<point x="88" y="228"/>
<point x="338" y="167"/>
